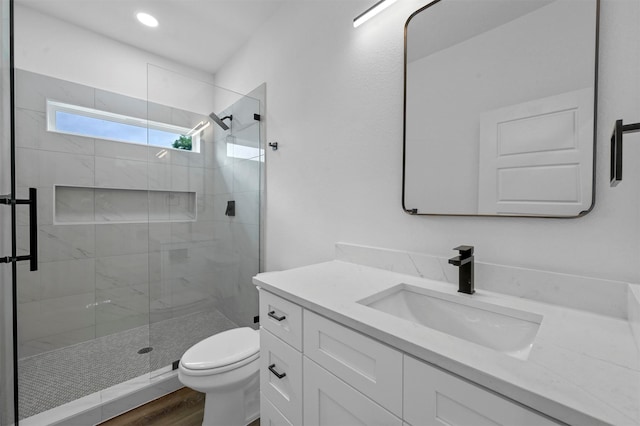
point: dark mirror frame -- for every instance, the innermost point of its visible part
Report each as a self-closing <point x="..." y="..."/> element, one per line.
<point x="414" y="211"/>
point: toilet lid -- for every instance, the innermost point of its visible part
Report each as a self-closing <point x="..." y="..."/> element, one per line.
<point x="222" y="349"/>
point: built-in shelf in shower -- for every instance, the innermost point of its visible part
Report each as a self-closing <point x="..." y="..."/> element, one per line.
<point x="90" y="205"/>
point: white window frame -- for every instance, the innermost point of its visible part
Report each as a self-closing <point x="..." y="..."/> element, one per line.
<point x="54" y="106"/>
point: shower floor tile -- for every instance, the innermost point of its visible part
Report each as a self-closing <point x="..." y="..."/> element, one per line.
<point x="63" y="375"/>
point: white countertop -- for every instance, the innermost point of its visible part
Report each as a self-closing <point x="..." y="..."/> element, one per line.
<point x="583" y="368"/>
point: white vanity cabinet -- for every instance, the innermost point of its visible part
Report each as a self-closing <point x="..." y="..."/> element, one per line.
<point x="281" y="376"/>
<point x="270" y="415"/>
<point x="315" y="371"/>
<point x="282" y="318"/>
<point x="280" y="361"/>
<point x="371" y="367"/>
<point x="329" y="401"/>
<point x="435" y="397"/>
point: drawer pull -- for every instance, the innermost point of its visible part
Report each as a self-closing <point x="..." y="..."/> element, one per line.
<point x="273" y="315"/>
<point x="272" y="368"/>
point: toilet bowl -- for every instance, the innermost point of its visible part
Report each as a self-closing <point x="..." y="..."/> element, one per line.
<point x="225" y="368"/>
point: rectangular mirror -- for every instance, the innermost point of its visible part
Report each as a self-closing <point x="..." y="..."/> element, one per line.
<point x="499" y="115"/>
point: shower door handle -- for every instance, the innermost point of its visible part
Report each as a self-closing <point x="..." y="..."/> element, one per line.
<point x="33" y="229"/>
<point x="32" y="201"/>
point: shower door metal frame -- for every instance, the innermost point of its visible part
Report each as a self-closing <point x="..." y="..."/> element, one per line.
<point x="11" y="201"/>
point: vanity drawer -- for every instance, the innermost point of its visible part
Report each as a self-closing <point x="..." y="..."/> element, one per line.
<point x="281" y="376"/>
<point x="434" y="397"/>
<point x="282" y="318"/>
<point x="328" y="401"/>
<point x="369" y="366"/>
<point x="269" y="414"/>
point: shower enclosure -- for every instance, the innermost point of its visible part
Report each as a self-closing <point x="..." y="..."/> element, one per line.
<point x="148" y="229"/>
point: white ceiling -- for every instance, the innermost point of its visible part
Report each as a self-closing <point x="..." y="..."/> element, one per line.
<point x="199" y="33"/>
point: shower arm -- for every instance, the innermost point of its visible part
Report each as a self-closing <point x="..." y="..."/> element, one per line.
<point x="220" y="121"/>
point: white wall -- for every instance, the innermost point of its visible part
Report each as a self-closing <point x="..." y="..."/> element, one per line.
<point x="54" y="48"/>
<point x="48" y="46"/>
<point x="335" y="107"/>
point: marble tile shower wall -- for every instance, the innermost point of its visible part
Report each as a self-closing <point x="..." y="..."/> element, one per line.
<point x="96" y="279"/>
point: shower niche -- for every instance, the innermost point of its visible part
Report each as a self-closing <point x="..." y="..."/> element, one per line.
<point x="85" y="205"/>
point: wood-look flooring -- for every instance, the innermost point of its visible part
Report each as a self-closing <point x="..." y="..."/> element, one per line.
<point x="184" y="407"/>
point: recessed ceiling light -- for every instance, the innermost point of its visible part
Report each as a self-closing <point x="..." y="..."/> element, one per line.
<point x="147" y="19"/>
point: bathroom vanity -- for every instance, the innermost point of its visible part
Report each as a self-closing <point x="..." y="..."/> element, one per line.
<point x="343" y="343"/>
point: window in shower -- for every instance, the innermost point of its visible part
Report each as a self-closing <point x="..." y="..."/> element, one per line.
<point x="89" y="122"/>
<point x="243" y="152"/>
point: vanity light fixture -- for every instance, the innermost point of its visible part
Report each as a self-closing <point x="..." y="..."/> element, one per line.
<point x="371" y="12"/>
<point x="147" y="19"/>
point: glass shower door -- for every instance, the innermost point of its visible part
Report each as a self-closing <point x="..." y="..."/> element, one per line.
<point x="202" y="263"/>
<point x="83" y="316"/>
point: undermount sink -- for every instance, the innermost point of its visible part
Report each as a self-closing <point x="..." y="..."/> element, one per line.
<point x="506" y="330"/>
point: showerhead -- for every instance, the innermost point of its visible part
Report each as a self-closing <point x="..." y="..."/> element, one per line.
<point x="220" y="121"/>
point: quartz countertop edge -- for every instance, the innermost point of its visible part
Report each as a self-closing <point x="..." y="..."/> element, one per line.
<point x="333" y="288"/>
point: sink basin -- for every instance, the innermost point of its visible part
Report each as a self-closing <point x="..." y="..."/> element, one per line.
<point x="506" y="330"/>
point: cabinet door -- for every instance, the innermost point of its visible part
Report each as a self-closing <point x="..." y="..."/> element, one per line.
<point x="281" y="376"/>
<point x="282" y="318"/>
<point x="329" y="401"/>
<point x="434" y="397"/>
<point x="270" y="415"/>
<point x="369" y="366"/>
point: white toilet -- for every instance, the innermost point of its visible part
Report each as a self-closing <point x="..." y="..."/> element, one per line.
<point x="225" y="368"/>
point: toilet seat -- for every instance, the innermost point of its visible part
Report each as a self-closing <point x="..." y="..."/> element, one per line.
<point x="224" y="369"/>
<point x="222" y="352"/>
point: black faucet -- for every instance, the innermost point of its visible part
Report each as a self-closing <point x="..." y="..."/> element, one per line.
<point x="465" y="263"/>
